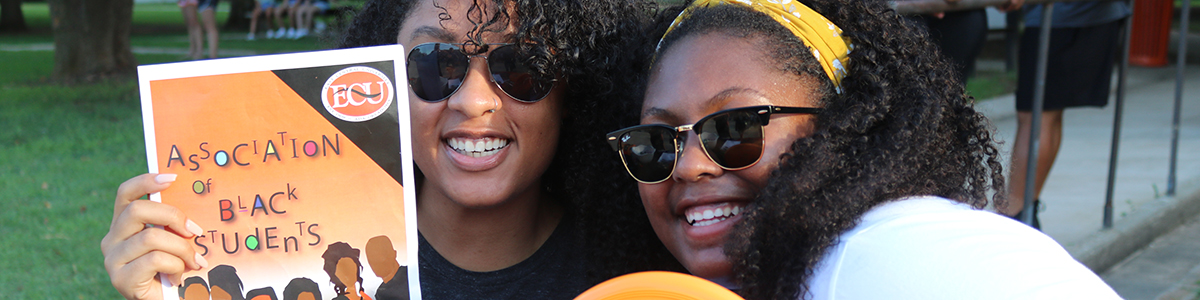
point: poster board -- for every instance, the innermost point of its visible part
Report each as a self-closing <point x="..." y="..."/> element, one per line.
<point x="281" y="158"/>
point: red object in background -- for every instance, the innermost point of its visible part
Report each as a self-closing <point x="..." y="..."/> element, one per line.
<point x="1151" y="30"/>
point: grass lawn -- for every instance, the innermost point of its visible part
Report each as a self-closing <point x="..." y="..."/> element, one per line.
<point x="64" y="150"/>
<point x="988" y="84"/>
<point x="161" y="25"/>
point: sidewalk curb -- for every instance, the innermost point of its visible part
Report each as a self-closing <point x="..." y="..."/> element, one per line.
<point x="1185" y="289"/>
<point x="1105" y="248"/>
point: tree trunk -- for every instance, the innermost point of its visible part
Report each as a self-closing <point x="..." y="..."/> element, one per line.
<point x="11" y="17"/>
<point x="238" y="9"/>
<point x="91" y="39"/>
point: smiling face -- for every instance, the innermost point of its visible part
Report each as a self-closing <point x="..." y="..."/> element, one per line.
<point x="698" y="76"/>
<point x="471" y="156"/>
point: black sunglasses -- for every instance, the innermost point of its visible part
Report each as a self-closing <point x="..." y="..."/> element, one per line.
<point x="733" y="139"/>
<point x="436" y="70"/>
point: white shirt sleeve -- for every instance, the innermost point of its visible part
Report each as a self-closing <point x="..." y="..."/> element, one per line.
<point x="933" y="248"/>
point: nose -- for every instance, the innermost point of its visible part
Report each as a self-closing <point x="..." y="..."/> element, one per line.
<point x="692" y="164"/>
<point x="477" y="95"/>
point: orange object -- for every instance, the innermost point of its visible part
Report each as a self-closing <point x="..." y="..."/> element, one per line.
<point x="657" y="285"/>
<point x="1151" y="30"/>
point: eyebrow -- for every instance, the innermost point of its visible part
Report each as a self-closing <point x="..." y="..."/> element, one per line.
<point x="665" y="114"/>
<point x="441" y="34"/>
<point x="436" y="33"/>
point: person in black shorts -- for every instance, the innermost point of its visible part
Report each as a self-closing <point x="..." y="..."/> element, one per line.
<point x="1082" y="51"/>
<point x="960" y="35"/>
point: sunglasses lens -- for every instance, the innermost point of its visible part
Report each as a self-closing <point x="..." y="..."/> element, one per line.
<point x="515" y="77"/>
<point x="733" y="140"/>
<point x="436" y="70"/>
<point x="649" y="153"/>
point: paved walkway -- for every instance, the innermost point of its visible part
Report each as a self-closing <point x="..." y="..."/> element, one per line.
<point x="1075" y="191"/>
<point x="1168" y="268"/>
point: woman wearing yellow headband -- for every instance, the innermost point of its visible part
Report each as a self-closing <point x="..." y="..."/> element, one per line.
<point x="822" y="150"/>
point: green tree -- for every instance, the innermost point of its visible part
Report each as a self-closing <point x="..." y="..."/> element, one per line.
<point x="11" y="17"/>
<point x="239" y="10"/>
<point x="91" y="39"/>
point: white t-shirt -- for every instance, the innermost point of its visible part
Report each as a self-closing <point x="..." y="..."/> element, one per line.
<point x="934" y="248"/>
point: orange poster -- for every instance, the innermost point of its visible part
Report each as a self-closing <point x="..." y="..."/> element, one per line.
<point x="295" y="165"/>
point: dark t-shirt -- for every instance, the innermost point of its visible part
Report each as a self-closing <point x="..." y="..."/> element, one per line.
<point x="396" y="289"/>
<point x="554" y="271"/>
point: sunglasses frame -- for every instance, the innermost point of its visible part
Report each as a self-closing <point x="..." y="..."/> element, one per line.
<point x="461" y="46"/>
<point x="763" y="112"/>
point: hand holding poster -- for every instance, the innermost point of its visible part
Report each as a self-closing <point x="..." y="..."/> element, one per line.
<point x="294" y="166"/>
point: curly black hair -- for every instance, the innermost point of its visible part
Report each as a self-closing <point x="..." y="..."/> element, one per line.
<point x="597" y="48"/>
<point x="903" y="127"/>
<point x="334" y="253"/>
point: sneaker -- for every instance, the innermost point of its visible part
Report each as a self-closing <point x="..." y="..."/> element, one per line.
<point x="291" y="33"/>
<point x="270" y="34"/>
<point x="282" y="32"/>
<point x="300" y="33"/>
<point x="250" y="36"/>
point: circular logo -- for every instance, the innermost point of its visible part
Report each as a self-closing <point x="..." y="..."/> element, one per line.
<point x="357" y="94"/>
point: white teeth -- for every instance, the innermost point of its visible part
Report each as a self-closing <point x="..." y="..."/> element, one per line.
<point x="712" y="216"/>
<point x="477" y="147"/>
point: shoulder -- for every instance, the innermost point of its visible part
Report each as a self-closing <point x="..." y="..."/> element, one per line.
<point x="929" y="248"/>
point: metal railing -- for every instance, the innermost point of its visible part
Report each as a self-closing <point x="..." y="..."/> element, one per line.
<point x="933" y="6"/>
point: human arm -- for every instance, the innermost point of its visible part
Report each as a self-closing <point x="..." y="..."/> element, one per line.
<point x="1011" y="5"/>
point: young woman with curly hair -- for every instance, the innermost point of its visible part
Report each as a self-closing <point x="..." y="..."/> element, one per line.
<point x="505" y="97"/>
<point x="820" y="149"/>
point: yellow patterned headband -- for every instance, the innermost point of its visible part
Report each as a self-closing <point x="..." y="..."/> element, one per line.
<point x="818" y="33"/>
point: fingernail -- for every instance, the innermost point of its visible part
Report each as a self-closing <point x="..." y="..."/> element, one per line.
<point x="194" y="228"/>
<point x="201" y="261"/>
<point x="165" y="178"/>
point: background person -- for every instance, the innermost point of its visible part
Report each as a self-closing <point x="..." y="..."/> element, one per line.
<point x="961" y="34"/>
<point x="206" y="27"/>
<point x="263" y="8"/>
<point x="285" y="18"/>
<point x="1083" y="49"/>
